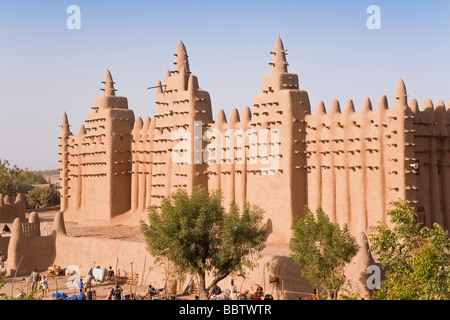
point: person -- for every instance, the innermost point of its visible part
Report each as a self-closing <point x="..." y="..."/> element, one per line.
<point x="314" y="295"/>
<point x="6" y="229"/>
<point x="242" y="296"/>
<point x="151" y="291"/>
<point x="80" y="286"/>
<point x="110" y="294"/>
<point x="110" y="273"/>
<point x="44" y="285"/>
<point x="2" y="263"/>
<point x="34" y="279"/>
<point x="89" y="278"/>
<point x="117" y="294"/>
<point x="216" y="290"/>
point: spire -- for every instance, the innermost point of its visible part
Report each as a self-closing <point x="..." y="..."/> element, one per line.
<point x="366" y="106"/>
<point x="58" y="224"/>
<point x="413" y="105"/>
<point x="65" y="126"/>
<point x="349" y="107"/>
<point x="335" y="107"/>
<point x="181" y="59"/>
<point x="138" y="124"/>
<point x="193" y="83"/>
<point x="400" y="94"/>
<point x="246" y="115"/>
<point x="109" y="85"/>
<point x="382" y="104"/>
<point x="279" y="63"/>
<point x="65" y="120"/>
<point x="147" y="122"/>
<point x="320" y="109"/>
<point x="82" y="130"/>
<point x="220" y="118"/>
<point x="19" y="198"/>
<point x="427" y="105"/>
<point x="234" y="117"/>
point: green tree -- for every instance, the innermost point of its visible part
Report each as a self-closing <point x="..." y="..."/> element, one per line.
<point x="10" y="178"/>
<point x="323" y="250"/>
<point x="197" y="236"/>
<point x="43" y="197"/>
<point x="32" y="177"/>
<point x="416" y="258"/>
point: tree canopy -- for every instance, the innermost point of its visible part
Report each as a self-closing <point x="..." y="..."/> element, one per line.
<point x="323" y="250"/>
<point x="12" y="177"/>
<point x="416" y="258"/>
<point x="198" y="236"/>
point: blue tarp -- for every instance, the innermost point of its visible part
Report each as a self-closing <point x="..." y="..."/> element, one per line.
<point x="81" y="296"/>
<point x="60" y="295"/>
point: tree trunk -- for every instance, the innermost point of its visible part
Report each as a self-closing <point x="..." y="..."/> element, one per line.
<point x="202" y="286"/>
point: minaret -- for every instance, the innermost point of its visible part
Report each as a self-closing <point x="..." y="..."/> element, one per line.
<point x="182" y="107"/>
<point x="278" y="114"/>
<point x="399" y="126"/>
<point x="64" y="162"/>
<point x="106" y="157"/>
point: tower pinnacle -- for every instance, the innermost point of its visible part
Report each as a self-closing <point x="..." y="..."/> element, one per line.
<point x="181" y="59"/>
<point x="65" y="125"/>
<point x="109" y="85"/>
<point x="400" y="94"/>
<point x="279" y="63"/>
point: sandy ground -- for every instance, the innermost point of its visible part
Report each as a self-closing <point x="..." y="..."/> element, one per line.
<point x="59" y="284"/>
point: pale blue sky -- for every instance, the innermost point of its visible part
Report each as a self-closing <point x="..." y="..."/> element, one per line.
<point x="46" y="69"/>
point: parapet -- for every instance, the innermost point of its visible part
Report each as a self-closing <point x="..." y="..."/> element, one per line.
<point x="28" y="249"/>
<point x="11" y="210"/>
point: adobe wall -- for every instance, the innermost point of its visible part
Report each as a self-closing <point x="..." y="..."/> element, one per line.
<point x="84" y="252"/>
<point x="27" y="249"/>
<point x="4" y="243"/>
<point x="352" y="164"/>
<point x="10" y="210"/>
<point x="431" y="137"/>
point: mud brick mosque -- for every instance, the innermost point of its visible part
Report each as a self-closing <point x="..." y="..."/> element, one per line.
<point x="277" y="155"/>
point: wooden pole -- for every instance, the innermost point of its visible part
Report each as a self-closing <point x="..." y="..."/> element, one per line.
<point x="14" y="278"/>
<point x="56" y="284"/>
<point x="143" y="271"/>
<point x="131" y="280"/>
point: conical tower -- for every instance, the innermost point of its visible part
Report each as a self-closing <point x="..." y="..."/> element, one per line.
<point x="100" y="185"/>
<point x="64" y="171"/>
<point x="278" y="120"/>
<point x="183" y="113"/>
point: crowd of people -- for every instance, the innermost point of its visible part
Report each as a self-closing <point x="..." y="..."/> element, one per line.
<point x="234" y="294"/>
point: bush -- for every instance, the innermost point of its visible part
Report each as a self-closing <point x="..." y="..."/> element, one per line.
<point x="43" y="197"/>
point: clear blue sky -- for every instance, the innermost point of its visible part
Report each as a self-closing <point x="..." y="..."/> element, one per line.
<point x="46" y="69"/>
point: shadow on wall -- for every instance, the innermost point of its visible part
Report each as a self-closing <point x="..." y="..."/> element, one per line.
<point x="285" y="280"/>
<point x="269" y="228"/>
<point x="4" y="243"/>
<point x="368" y="260"/>
<point x="28" y="250"/>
